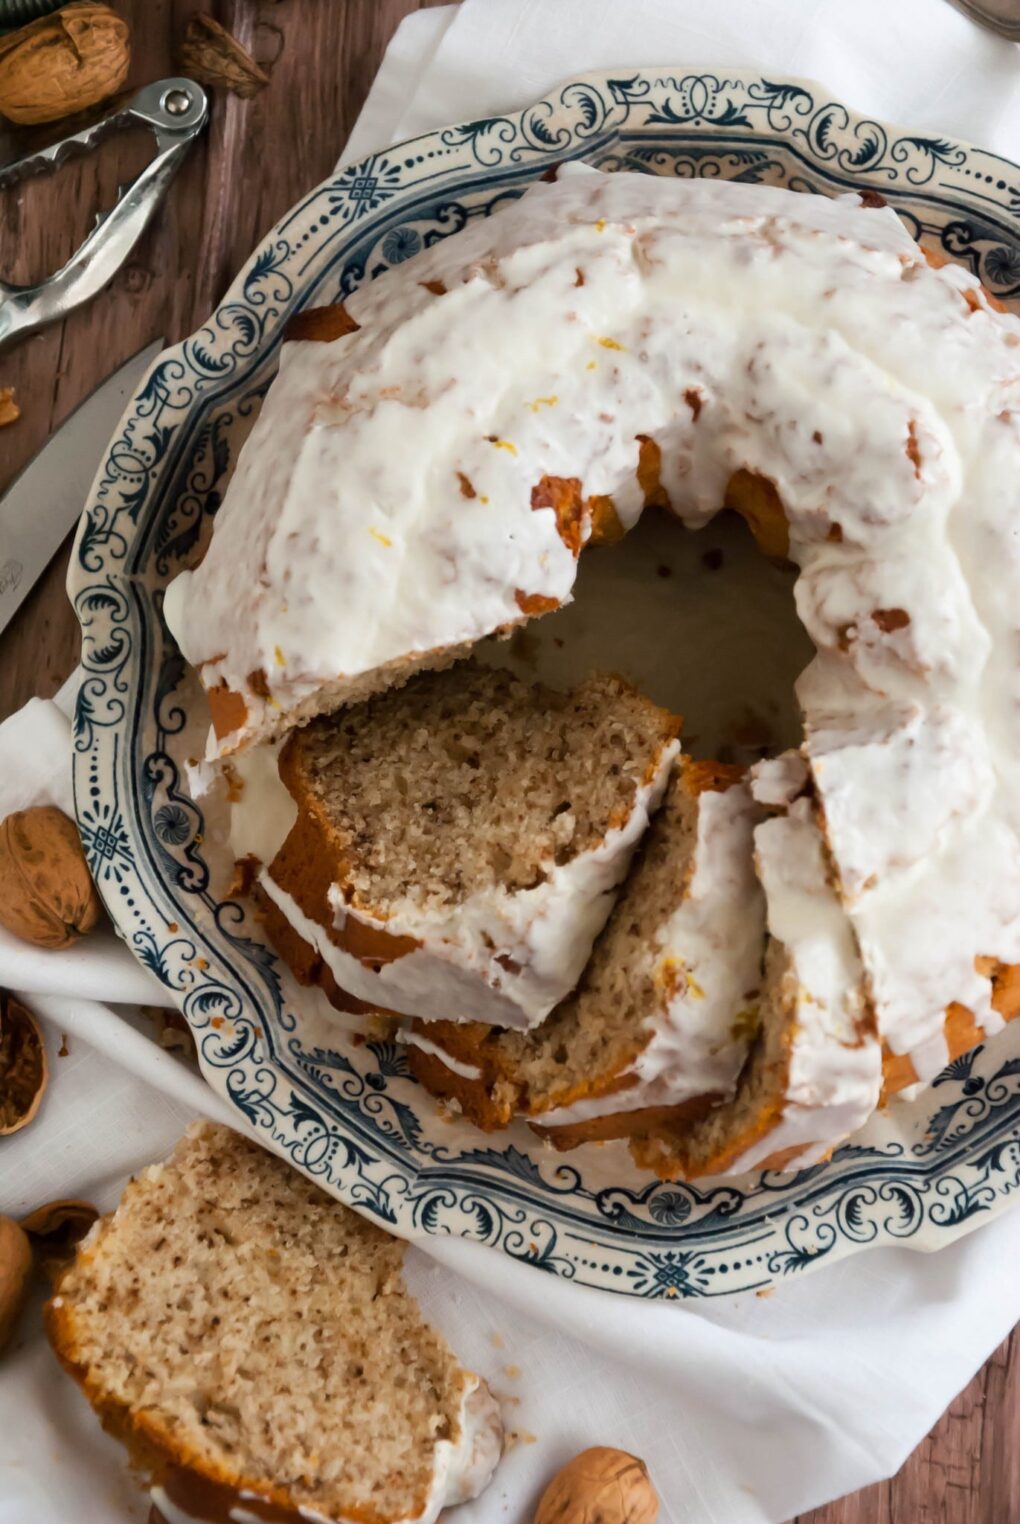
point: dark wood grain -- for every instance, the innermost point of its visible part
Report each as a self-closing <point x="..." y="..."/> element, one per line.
<point x="255" y="161"/>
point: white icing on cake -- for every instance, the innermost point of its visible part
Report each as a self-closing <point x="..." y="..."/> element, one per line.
<point x="263" y="809"/>
<point x="776" y="781"/>
<point x="345" y="522"/>
<point x="464" y="1466"/>
<point x="710" y="949"/>
<point x="170" y="1511"/>
<point x="740" y="327"/>
<point x="835" y="1071"/>
<point x="500" y="957"/>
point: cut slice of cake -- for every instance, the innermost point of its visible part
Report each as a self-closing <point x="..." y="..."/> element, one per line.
<point x="252" y="1343"/>
<point x="661" y="1023"/>
<point x="460" y="841"/>
<point x="814" y="1074"/>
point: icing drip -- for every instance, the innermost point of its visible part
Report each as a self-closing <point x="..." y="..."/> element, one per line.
<point x="417" y="1040"/>
<point x="264" y="811"/>
<point x="835" y="1064"/>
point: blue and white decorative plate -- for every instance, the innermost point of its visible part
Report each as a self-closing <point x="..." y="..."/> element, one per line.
<point x="349" y="1115"/>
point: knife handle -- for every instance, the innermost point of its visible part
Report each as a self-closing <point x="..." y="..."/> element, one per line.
<point x="175" y="111"/>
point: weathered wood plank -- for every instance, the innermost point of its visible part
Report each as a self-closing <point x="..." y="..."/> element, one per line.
<point x="255" y="160"/>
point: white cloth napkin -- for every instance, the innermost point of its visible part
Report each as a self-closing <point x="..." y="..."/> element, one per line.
<point x="747" y="1411"/>
<point x="921" y="63"/>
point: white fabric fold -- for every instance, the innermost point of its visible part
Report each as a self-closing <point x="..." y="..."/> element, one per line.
<point x="747" y="1411"/>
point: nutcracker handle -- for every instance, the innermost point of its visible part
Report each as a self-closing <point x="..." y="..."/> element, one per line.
<point x="175" y="111"/>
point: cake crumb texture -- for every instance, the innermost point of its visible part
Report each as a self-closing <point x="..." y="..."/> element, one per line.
<point x="232" y="1319"/>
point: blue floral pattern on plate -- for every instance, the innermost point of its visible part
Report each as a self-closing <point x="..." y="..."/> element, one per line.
<point x="349" y="1114"/>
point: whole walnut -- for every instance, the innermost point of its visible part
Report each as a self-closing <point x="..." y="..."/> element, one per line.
<point x="46" y="891"/>
<point x="64" y="63"/>
<point x="600" y="1486"/>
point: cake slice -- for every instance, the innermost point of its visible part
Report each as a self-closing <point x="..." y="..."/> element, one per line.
<point x="252" y="1342"/>
<point x="459" y="842"/>
<point x="814" y="1074"/>
<point x="664" y="1016"/>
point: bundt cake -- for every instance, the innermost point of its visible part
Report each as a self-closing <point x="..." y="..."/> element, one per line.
<point x="252" y="1343"/>
<point x="458" y="843"/>
<point x="434" y="456"/>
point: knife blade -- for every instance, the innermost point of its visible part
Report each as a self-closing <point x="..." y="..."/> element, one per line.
<point x="44" y="501"/>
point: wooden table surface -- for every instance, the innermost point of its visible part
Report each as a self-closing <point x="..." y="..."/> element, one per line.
<point x="256" y="159"/>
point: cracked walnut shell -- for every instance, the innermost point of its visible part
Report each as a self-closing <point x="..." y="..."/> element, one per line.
<point x="24" y="1070"/>
<point x="600" y="1486"/>
<point x="55" y="1231"/>
<point x="47" y="896"/>
<point x="211" y="54"/>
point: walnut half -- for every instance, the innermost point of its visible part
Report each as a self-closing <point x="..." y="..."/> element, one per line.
<point x="211" y="54"/>
<point x="55" y="1231"/>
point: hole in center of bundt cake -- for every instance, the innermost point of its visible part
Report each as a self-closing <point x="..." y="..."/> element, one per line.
<point x="701" y="621"/>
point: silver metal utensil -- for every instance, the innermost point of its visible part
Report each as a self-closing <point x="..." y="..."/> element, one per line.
<point x="175" y="111"/>
<point x="44" y="502"/>
<point x="18" y="12"/>
<point x="1002" y="16"/>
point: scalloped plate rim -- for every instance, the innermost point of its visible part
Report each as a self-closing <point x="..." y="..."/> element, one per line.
<point x="662" y="1266"/>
